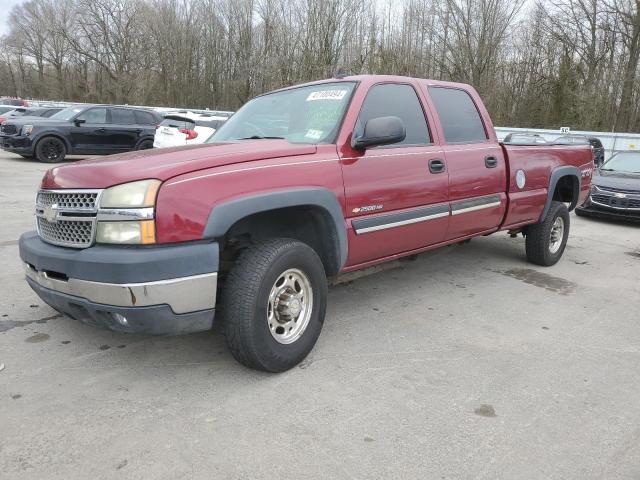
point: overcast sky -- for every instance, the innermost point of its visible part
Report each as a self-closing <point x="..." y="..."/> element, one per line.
<point x="5" y="8"/>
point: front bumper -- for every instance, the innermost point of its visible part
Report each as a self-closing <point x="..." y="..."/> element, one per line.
<point x="17" y="143"/>
<point x="591" y="210"/>
<point x="158" y="290"/>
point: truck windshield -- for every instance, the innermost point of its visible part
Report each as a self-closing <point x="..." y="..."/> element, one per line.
<point x="310" y="114"/>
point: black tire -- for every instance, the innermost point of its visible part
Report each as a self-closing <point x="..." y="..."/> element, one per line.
<point x="145" y="145"/>
<point x="50" y="150"/>
<point x="540" y="246"/>
<point x="245" y="304"/>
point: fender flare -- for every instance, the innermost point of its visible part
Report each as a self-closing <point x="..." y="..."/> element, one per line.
<point x="224" y="215"/>
<point x="556" y="175"/>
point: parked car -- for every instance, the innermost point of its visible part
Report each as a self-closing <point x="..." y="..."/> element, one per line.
<point x="186" y="128"/>
<point x="17" y="102"/>
<point x="615" y="189"/>
<point x="524" y="138"/>
<point x="598" y="149"/>
<point x="28" y="112"/>
<point x="80" y="130"/>
<point x="357" y="171"/>
<point x="6" y="109"/>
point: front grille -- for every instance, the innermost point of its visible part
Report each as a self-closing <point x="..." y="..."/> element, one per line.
<point x="70" y="233"/>
<point x="619" y="190"/>
<point x="8" y="129"/>
<point x="616" y="198"/>
<point x="67" y="218"/>
<point x="75" y="200"/>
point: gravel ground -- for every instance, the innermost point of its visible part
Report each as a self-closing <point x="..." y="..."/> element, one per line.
<point x="465" y="363"/>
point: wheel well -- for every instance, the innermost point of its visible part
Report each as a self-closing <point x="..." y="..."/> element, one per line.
<point x="309" y="224"/>
<point x="567" y="190"/>
<point x="47" y="135"/>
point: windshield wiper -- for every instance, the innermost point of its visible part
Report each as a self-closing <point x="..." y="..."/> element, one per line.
<point x="259" y="137"/>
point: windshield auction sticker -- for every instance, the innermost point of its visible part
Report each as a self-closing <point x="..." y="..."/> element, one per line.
<point x="327" y="95"/>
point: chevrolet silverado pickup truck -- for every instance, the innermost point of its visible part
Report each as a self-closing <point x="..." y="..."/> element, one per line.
<point x="300" y="185"/>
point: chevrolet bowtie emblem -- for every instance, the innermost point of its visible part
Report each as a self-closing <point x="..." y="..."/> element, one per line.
<point x="51" y="213"/>
<point x="621" y="195"/>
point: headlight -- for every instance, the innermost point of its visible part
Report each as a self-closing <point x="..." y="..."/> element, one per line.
<point x="27" y="129"/>
<point x="131" y="195"/>
<point x="126" y="213"/>
<point x="132" y="232"/>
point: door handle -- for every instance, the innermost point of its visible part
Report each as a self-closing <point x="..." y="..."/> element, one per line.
<point x="138" y="130"/>
<point x="101" y="130"/>
<point x="436" y="165"/>
<point x="490" y="161"/>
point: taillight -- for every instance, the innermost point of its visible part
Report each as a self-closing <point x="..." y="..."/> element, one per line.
<point x="191" y="134"/>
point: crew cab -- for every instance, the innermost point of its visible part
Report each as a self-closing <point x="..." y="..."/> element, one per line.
<point x="301" y="184"/>
<point x="80" y="130"/>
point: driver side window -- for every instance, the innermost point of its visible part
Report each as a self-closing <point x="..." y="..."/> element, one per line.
<point x="396" y="100"/>
<point x="94" y="115"/>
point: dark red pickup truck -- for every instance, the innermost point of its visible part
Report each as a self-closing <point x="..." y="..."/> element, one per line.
<point x="300" y="184"/>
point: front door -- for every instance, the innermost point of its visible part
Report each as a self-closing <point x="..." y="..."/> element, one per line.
<point x="89" y="132"/>
<point x="396" y="195"/>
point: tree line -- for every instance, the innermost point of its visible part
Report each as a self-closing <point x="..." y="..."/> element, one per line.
<point x="545" y="64"/>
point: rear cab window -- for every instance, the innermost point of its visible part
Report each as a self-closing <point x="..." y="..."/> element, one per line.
<point x="396" y="100"/>
<point x="459" y="116"/>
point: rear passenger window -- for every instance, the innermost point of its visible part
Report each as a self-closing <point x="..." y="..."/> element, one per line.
<point x="459" y="116"/>
<point x="122" y="116"/>
<point x="397" y="101"/>
<point x="145" y="118"/>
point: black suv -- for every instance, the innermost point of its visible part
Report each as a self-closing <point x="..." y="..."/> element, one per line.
<point x="80" y="130"/>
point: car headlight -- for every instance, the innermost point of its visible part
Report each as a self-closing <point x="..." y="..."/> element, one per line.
<point x="126" y="214"/>
<point x="129" y="232"/>
<point x="131" y="195"/>
<point x="27" y="129"/>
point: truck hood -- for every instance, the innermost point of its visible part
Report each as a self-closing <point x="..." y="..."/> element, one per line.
<point x="166" y="163"/>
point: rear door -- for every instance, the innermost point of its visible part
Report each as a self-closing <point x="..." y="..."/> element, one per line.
<point x="475" y="161"/>
<point x="124" y="131"/>
<point x="394" y="202"/>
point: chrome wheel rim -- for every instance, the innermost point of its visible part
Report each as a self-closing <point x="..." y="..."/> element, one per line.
<point x="289" y="306"/>
<point x="556" y="236"/>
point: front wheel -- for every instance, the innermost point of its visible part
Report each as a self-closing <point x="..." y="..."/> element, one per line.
<point x="547" y="240"/>
<point x="273" y="304"/>
<point x="50" y="150"/>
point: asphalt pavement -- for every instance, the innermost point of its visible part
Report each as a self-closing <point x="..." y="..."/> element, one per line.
<point x="467" y="363"/>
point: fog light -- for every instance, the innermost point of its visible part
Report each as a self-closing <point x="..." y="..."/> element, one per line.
<point x="121" y="319"/>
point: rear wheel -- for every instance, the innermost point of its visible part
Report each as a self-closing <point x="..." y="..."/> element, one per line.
<point x="547" y="240"/>
<point x="50" y="150"/>
<point x="273" y="304"/>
